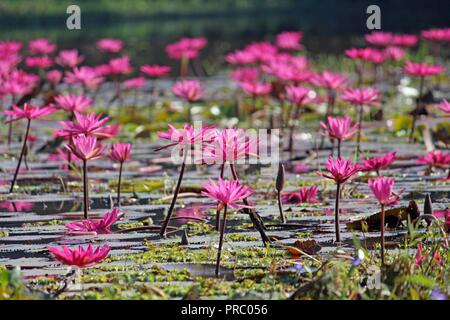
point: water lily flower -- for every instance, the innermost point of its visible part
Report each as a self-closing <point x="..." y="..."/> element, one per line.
<point x="289" y="40"/>
<point x="339" y="170"/>
<point x="189" y="90"/>
<point x="184" y="50"/>
<point x="404" y="40"/>
<point x="422" y="71"/>
<point x="229" y="145"/>
<point x="379" y="163"/>
<point x="382" y="188"/>
<point x="118" y="66"/>
<point x="227" y="193"/>
<point x="436" y="35"/>
<point x="110" y="45"/>
<point x="134" y="83"/>
<point x="86" y="124"/>
<point x="98" y="226"/>
<point x="185" y="139"/>
<point x="69" y="58"/>
<point x="28" y="112"/>
<point x="120" y="152"/>
<point x="41" y="46"/>
<point x="43" y="62"/>
<point x="54" y="77"/>
<point x="85" y="148"/>
<point x="361" y="97"/>
<point x="155" y="71"/>
<point x="73" y="103"/>
<point x="394" y="53"/>
<point x="329" y="80"/>
<point x="256" y="88"/>
<point x="240" y="57"/>
<point x="304" y="195"/>
<point x="245" y="74"/>
<point x="436" y="158"/>
<point x="379" y="38"/>
<point x="80" y="256"/>
<point x="340" y="128"/>
<point x="86" y="76"/>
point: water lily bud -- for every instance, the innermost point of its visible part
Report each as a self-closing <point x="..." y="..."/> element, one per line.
<point x="279" y="185"/>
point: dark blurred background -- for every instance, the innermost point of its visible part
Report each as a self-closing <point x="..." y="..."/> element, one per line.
<point x="147" y="26"/>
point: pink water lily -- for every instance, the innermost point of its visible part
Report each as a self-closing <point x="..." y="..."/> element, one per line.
<point x="134" y="83"/>
<point x="120" y="152"/>
<point x="245" y="74"/>
<point x="73" y="103"/>
<point x="28" y="112"/>
<point x="43" y="62"/>
<point x="404" y="40"/>
<point x="339" y="170"/>
<point x="80" y="257"/>
<point x="69" y="58"/>
<point x="256" y="88"/>
<point x="110" y="45"/>
<point x="98" y="226"/>
<point x="155" y="71"/>
<point x="436" y="158"/>
<point x="289" y="40"/>
<point x="340" y="128"/>
<point x="86" y="124"/>
<point x="422" y="71"/>
<point x="187" y="137"/>
<point x="227" y="193"/>
<point x="189" y="90"/>
<point x="382" y="188"/>
<point x="184" y="139"/>
<point x="118" y="66"/>
<point x="379" y="38"/>
<point x="379" y="163"/>
<point x="229" y="145"/>
<point x="361" y="97"/>
<point x="394" y="53"/>
<point x="329" y="80"/>
<point x="54" y="77"/>
<point x="41" y="46"/>
<point x="304" y="195"/>
<point x="240" y="57"/>
<point x="436" y="35"/>
<point x="85" y="148"/>
<point x="86" y="76"/>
